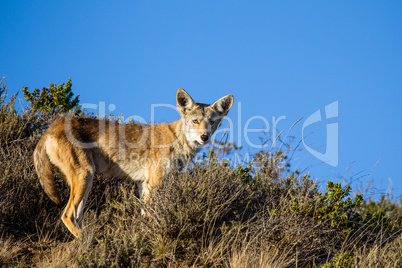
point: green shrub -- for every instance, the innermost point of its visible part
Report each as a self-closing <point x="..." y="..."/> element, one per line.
<point x="334" y="205"/>
<point x="55" y="99"/>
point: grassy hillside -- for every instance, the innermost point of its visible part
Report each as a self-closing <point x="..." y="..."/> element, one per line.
<point x="209" y="215"/>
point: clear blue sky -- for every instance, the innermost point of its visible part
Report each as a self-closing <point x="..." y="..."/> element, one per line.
<point x="278" y="58"/>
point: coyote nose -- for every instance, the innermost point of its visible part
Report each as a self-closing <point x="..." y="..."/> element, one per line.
<point x="204" y="138"/>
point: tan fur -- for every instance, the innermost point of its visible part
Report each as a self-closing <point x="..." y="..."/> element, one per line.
<point x="79" y="147"/>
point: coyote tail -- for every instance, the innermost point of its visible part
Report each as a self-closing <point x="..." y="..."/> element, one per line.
<point x="44" y="170"/>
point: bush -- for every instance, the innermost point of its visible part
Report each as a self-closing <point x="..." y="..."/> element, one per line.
<point x="54" y="100"/>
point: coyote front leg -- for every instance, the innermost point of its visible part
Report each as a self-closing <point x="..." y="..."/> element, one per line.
<point x="153" y="179"/>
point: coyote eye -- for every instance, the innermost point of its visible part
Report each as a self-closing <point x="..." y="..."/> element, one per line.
<point x="195" y="121"/>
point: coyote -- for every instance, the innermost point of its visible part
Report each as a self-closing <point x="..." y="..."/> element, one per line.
<point x="79" y="147"/>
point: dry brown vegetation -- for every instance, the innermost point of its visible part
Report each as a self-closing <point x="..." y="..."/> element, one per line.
<point x="209" y="215"/>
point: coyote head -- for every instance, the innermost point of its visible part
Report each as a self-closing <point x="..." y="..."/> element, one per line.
<point x="201" y="120"/>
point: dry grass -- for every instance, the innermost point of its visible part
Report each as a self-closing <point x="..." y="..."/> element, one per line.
<point x="209" y="215"/>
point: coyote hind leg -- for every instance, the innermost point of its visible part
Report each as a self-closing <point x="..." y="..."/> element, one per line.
<point x="80" y="186"/>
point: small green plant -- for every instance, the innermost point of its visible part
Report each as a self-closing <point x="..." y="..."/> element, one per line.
<point x="244" y="173"/>
<point x="385" y="211"/>
<point x="55" y="99"/>
<point x="334" y="205"/>
<point x="341" y="209"/>
<point x="340" y="260"/>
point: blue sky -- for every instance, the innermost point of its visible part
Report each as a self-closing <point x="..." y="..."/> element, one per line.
<point x="280" y="59"/>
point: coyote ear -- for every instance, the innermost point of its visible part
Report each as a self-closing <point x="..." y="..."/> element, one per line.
<point x="223" y="105"/>
<point x="184" y="101"/>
